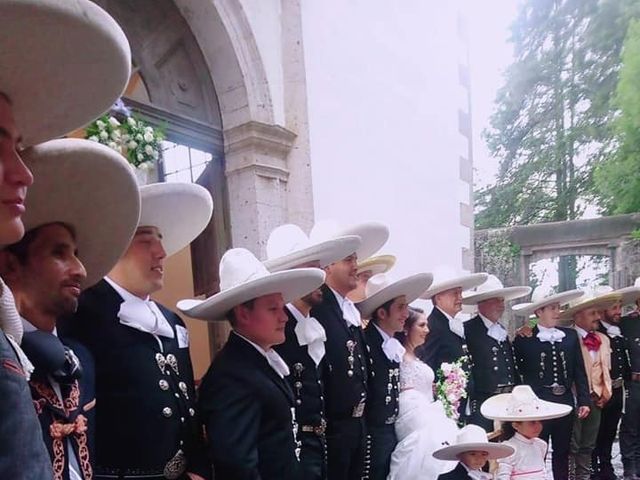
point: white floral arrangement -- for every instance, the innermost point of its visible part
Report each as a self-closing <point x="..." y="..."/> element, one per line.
<point x="451" y="387"/>
<point x="140" y="143"/>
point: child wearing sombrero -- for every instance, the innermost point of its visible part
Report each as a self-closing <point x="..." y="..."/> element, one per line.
<point x="472" y="450"/>
<point x="523" y="413"/>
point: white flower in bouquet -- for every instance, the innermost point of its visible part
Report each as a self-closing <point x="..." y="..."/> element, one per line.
<point x="139" y="137"/>
<point x="94" y="138"/>
<point x="148" y="150"/>
<point x="155" y="155"/>
<point x="132" y="121"/>
<point x="125" y="137"/>
<point x="140" y="157"/>
<point x="115" y="135"/>
<point x="148" y="137"/>
<point x="101" y="125"/>
<point x="114" y="122"/>
<point x="114" y="146"/>
<point x="132" y="145"/>
<point x="144" y="166"/>
<point x="104" y="135"/>
<point x="148" y="130"/>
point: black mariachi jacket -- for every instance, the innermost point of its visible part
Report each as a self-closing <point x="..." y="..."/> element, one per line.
<point x="542" y="364"/>
<point x="492" y="362"/>
<point x="458" y="473"/>
<point x="384" y="375"/>
<point x="630" y="326"/>
<point x="442" y="345"/>
<point x="146" y="422"/>
<point x="346" y="372"/>
<point x="247" y="412"/>
<point x="620" y="367"/>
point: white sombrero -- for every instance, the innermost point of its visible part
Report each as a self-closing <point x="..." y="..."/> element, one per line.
<point x="591" y="300"/>
<point x="373" y="235"/>
<point x="89" y="187"/>
<point x="242" y="278"/>
<point x="289" y="247"/>
<point x="473" y="438"/>
<point x="445" y="278"/>
<point x="630" y="294"/>
<point x="380" y="290"/>
<point x="62" y="64"/>
<point x="522" y="405"/>
<point x="180" y="211"/>
<point x="493" y="288"/>
<point x="377" y="264"/>
<point x="543" y="296"/>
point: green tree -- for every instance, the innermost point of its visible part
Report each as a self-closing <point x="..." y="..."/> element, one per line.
<point x="618" y="176"/>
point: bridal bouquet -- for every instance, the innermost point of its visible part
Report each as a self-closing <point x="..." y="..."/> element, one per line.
<point x="451" y="387"/>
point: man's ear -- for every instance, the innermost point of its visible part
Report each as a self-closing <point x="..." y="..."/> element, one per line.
<point x="9" y="266"/>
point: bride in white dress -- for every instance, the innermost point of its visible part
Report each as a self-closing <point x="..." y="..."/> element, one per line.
<point x="422" y="425"/>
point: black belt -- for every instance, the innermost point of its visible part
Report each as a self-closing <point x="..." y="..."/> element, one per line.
<point x="617" y="382"/>
<point x="503" y="389"/>
<point x="319" y="430"/>
<point x="557" y="390"/>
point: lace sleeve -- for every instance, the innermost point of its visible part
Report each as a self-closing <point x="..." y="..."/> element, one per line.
<point x="418" y="375"/>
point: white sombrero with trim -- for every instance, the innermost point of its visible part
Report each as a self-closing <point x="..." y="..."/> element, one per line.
<point x="180" y="211"/>
<point x="522" y="405"/>
<point x="493" y="288"/>
<point x="380" y="290"/>
<point x="63" y="63"/>
<point x="377" y="264"/>
<point x="630" y="294"/>
<point x="542" y="297"/>
<point x="289" y="247"/>
<point x="372" y="234"/>
<point x="89" y="187"/>
<point x="242" y="278"/>
<point x="445" y="278"/>
<point x="473" y="438"/>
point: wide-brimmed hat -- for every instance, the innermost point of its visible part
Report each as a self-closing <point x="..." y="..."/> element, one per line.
<point x="473" y="438"/>
<point x="493" y="288"/>
<point x="373" y="235"/>
<point x="630" y="294"/>
<point x="289" y="247"/>
<point x="380" y="290"/>
<point x="591" y="300"/>
<point x="377" y="264"/>
<point x="242" y="278"/>
<point x="543" y="296"/>
<point x="62" y="64"/>
<point x="522" y="405"/>
<point x="180" y="211"/>
<point x="89" y="187"/>
<point x="445" y="278"/>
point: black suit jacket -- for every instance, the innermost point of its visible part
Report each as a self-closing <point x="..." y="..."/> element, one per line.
<point x="630" y="326"/>
<point x="442" y="345"/>
<point x="620" y="367"/>
<point x="542" y="364"/>
<point x="145" y="410"/>
<point x="458" y="473"/>
<point x="345" y="379"/>
<point x="246" y="408"/>
<point x="492" y="362"/>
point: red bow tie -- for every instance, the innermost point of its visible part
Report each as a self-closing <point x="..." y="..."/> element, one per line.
<point x="592" y="342"/>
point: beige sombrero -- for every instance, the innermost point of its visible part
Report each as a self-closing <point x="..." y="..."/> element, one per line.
<point x="473" y="438"/>
<point x="445" y="278"/>
<point x="180" y="211"/>
<point x="522" y="405"/>
<point x="493" y="288"/>
<point x="377" y="264"/>
<point x="380" y="290"/>
<point x="289" y="247"/>
<point x="591" y="300"/>
<point x="373" y="235"/>
<point x="242" y="278"/>
<point x="62" y="64"/>
<point x="543" y="296"/>
<point x="630" y="294"/>
<point x="90" y="187"/>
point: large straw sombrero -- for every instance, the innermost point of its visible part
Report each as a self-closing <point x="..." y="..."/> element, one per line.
<point x="377" y="264"/>
<point x="591" y="300"/>
<point x="380" y="290"/>
<point x="630" y="294"/>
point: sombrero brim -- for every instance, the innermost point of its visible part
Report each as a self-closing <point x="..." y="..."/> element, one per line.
<point x="528" y="309"/>
<point x="90" y="187"/>
<point x="292" y="284"/>
<point x="373" y="234"/>
<point x="325" y="252"/>
<point x="507" y="293"/>
<point x="495" y="450"/>
<point x="629" y="294"/>
<point x="600" y="302"/>
<point x="180" y="211"/>
<point x="411" y="287"/>
<point x="377" y="265"/>
<point x="62" y="64"/>
<point x="465" y="282"/>
<point x="495" y="408"/>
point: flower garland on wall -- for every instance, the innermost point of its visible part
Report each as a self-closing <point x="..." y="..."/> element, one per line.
<point x="140" y="143"/>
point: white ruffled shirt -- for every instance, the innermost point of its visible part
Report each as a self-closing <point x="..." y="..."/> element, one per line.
<point x="456" y="325"/>
<point x="494" y="329"/>
<point x="527" y="462"/>
<point x="350" y="312"/>
<point x="550" y="335"/>
<point x="391" y="347"/>
<point x="275" y="361"/>
<point x="310" y="333"/>
<point x="612" y="330"/>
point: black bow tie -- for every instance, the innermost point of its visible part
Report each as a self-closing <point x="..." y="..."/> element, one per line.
<point x="51" y="357"/>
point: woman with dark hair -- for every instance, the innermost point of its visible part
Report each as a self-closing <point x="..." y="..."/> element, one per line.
<point x="422" y="425"/>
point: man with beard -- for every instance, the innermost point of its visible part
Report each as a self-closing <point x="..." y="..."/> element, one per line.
<point x="620" y="370"/>
<point x="45" y="271"/>
<point x="303" y="349"/>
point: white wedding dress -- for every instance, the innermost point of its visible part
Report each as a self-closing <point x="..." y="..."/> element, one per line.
<point x="422" y="427"/>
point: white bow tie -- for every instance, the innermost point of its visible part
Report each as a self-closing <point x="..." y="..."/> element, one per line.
<point x="393" y="349"/>
<point x="351" y="313"/>
<point x="456" y="326"/>
<point x="478" y="475"/>
<point x="277" y="363"/>
<point x="613" y="331"/>
<point x="311" y="333"/>
<point x="144" y="316"/>
<point x="550" y="335"/>
<point x="497" y="332"/>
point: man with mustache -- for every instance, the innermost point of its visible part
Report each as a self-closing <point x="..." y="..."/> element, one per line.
<point x="45" y="272"/>
<point x="146" y="424"/>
